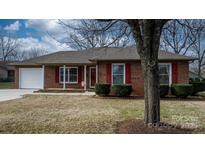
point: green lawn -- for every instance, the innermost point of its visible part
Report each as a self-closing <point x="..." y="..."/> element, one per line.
<point x="6" y="85"/>
<point x="86" y="114"/>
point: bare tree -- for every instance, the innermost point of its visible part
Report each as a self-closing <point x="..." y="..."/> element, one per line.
<point x="146" y="34"/>
<point x="8" y="46"/>
<point x="198" y="48"/>
<point x="178" y="36"/>
<point x="28" y="54"/>
<point x="82" y="34"/>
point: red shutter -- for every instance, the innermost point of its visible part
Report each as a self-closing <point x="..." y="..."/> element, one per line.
<point x="174" y="73"/>
<point x="57" y="75"/>
<point x="128" y="73"/>
<point x="108" y="73"/>
<point x="79" y="74"/>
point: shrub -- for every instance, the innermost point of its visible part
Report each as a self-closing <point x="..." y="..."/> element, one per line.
<point x="182" y="90"/>
<point x="102" y="89"/>
<point x="197" y="80"/>
<point x="164" y="90"/>
<point x="122" y="90"/>
<point x="198" y="87"/>
<point x="203" y="80"/>
<point x="191" y="80"/>
<point x="5" y="80"/>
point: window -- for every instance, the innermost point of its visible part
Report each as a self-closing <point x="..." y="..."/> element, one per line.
<point x="71" y="74"/>
<point x="118" y="73"/>
<point x="164" y="74"/>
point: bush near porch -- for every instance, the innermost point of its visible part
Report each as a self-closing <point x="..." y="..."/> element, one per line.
<point x="182" y="90"/>
<point x="164" y="90"/>
<point x="102" y="89"/>
<point x="122" y="90"/>
<point x="198" y="87"/>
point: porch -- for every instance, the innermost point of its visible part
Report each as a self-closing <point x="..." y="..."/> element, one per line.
<point x="70" y="78"/>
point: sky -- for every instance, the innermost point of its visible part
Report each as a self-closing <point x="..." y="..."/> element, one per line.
<point x="33" y="33"/>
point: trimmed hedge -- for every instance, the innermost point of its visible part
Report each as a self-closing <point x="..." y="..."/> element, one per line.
<point x="122" y="90"/>
<point x="102" y="89"/>
<point x="198" y="87"/>
<point x="182" y="90"/>
<point x="164" y="90"/>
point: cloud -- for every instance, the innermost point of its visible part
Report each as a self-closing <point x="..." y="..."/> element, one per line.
<point x="46" y="43"/>
<point x="13" y="27"/>
<point x="49" y="26"/>
<point x="45" y="25"/>
<point x="47" y="29"/>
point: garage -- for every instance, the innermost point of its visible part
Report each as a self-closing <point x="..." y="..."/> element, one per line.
<point x="31" y="78"/>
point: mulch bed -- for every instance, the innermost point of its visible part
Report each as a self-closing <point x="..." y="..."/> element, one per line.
<point x="138" y="127"/>
<point x="168" y="98"/>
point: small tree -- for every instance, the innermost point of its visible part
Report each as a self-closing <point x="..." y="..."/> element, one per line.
<point x="178" y="36"/>
<point x="198" y="48"/>
<point x="8" y="46"/>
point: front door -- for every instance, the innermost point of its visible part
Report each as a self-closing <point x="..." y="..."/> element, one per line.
<point x="92" y="77"/>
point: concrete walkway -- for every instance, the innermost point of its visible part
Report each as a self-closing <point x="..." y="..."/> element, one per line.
<point x="68" y="94"/>
<point x="9" y="94"/>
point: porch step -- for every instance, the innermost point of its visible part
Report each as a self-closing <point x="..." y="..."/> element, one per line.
<point x="63" y="90"/>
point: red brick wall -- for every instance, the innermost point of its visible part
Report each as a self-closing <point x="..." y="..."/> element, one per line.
<point x="183" y="72"/>
<point x="136" y="76"/>
<point x="137" y="80"/>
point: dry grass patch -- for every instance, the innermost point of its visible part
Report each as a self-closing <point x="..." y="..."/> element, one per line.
<point x="86" y="114"/>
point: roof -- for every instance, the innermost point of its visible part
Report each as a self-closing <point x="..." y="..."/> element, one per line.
<point x="97" y="54"/>
<point x="5" y="65"/>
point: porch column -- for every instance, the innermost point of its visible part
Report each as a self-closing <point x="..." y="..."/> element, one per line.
<point x="64" y="86"/>
<point x="85" y="79"/>
<point x="96" y="73"/>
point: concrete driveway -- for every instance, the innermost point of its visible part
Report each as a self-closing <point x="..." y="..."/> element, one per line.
<point x="9" y="94"/>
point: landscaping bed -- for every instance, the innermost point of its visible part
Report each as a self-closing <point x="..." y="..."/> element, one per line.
<point x="138" y="127"/>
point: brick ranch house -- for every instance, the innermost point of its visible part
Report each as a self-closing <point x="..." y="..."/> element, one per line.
<point x="82" y="69"/>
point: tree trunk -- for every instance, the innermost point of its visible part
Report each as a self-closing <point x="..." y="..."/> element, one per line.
<point x="151" y="90"/>
<point x="199" y="69"/>
<point x="147" y="36"/>
<point x="149" y="62"/>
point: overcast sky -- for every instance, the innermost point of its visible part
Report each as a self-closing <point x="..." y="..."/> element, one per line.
<point x="34" y="33"/>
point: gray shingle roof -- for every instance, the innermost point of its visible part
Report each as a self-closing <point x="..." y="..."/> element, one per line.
<point x="97" y="54"/>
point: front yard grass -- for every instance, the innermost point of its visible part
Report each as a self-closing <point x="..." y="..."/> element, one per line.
<point x="87" y="114"/>
<point x="6" y="85"/>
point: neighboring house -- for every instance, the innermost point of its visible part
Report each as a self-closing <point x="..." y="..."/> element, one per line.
<point x="82" y="69"/>
<point x="194" y="75"/>
<point x="6" y="71"/>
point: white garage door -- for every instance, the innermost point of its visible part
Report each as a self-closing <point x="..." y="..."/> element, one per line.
<point x="31" y="78"/>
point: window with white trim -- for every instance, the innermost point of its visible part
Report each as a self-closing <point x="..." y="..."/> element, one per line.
<point x="118" y="73"/>
<point x="164" y="73"/>
<point x="71" y="74"/>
